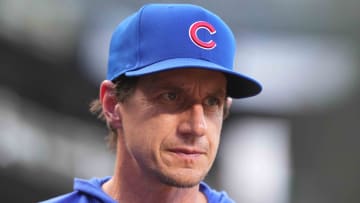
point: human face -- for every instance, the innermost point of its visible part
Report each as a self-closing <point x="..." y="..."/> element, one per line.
<point x="171" y="124"/>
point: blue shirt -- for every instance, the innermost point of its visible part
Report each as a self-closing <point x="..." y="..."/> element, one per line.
<point x="89" y="191"/>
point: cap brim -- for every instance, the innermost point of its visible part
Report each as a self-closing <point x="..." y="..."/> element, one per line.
<point x="238" y="85"/>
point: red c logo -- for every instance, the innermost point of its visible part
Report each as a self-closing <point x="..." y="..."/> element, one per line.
<point x="195" y="39"/>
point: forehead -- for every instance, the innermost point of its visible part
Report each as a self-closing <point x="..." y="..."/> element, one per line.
<point x="186" y="78"/>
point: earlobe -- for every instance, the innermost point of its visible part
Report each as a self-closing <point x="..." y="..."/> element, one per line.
<point x="109" y="104"/>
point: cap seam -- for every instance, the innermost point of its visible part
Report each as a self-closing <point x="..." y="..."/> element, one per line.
<point x="138" y="57"/>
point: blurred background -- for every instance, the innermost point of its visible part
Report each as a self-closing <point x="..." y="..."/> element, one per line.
<point x="297" y="142"/>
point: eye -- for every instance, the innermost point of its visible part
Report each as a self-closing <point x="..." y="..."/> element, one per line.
<point x="170" y="96"/>
<point x="212" y="101"/>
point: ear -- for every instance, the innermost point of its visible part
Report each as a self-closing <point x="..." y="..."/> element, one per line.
<point x="109" y="104"/>
<point x="229" y="102"/>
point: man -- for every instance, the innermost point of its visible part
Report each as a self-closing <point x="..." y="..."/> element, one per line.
<point x="169" y="83"/>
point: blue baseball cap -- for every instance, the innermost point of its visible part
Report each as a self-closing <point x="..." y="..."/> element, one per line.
<point x="161" y="37"/>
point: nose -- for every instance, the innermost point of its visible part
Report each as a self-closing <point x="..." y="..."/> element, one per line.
<point x="193" y="122"/>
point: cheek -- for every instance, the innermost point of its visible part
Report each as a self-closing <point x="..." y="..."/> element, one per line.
<point x="146" y="134"/>
<point x="215" y="134"/>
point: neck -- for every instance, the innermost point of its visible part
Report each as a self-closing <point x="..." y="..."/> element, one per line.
<point x="130" y="184"/>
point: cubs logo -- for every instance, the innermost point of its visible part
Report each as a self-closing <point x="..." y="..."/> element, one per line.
<point x="195" y="27"/>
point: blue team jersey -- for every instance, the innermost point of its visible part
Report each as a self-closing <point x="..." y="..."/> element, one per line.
<point x="89" y="191"/>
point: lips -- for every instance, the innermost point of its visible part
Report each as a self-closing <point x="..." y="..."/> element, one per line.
<point x="187" y="151"/>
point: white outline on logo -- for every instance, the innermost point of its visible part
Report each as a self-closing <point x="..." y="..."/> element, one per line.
<point x="197" y="41"/>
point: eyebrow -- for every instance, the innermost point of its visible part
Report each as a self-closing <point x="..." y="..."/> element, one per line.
<point x="165" y="86"/>
<point x="169" y="85"/>
<point x="158" y="82"/>
<point x="220" y="92"/>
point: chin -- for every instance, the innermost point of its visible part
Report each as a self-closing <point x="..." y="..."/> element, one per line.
<point x="182" y="179"/>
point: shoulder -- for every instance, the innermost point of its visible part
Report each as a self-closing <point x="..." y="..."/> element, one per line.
<point x="214" y="196"/>
<point x="76" y="196"/>
<point x="85" y="191"/>
<point x="70" y="197"/>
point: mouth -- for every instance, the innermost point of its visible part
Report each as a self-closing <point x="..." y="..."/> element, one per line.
<point x="187" y="152"/>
